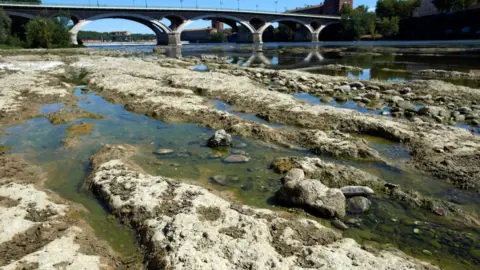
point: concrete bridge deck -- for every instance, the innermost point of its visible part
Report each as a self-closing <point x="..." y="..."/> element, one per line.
<point x="254" y="22"/>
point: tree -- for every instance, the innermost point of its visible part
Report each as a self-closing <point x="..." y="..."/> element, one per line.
<point x="218" y="37"/>
<point x="396" y="8"/>
<point x="47" y="33"/>
<point x="5" y="26"/>
<point x="389" y="26"/>
<point x="358" y="23"/>
<point x="450" y="5"/>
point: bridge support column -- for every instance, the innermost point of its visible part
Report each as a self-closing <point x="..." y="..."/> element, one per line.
<point x="174" y="39"/>
<point x="257" y="38"/>
<point x="75" y="29"/>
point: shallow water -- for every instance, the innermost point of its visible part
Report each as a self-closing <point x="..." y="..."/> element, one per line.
<point x="305" y="56"/>
<point x="252" y="183"/>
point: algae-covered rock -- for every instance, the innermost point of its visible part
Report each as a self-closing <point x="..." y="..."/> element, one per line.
<point x="65" y="116"/>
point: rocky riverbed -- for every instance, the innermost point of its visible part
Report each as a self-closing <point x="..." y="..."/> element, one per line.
<point x="189" y="225"/>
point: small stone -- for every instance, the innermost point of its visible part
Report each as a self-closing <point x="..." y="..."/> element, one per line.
<point x="219" y="139"/>
<point x="339" y="224"/>
<point x="219" y="180"/>
<point x="417" y="231"/>
<point x="396" y="99"/>
<point x="164" y="151"/>
<point x="406" y="90"/>
<point x="427" y="252"/>
<point x="464" y="110"/>
<point x="407" y="106"/>
<point x="357" y="85"/>
<point x="353" y="191"/>
<point x="258" y="75"/>
<point x="294" y="175"/>
<point x="358" y="205"/>
<point x="342" y="88"/>
<point x="238" y="152"/>
<point x="236" y="159"/>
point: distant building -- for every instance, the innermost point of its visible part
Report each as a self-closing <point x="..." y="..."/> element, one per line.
<point x="428" y="8"/>
<point x="217" y="25"/>
<point x="329" y="7"/>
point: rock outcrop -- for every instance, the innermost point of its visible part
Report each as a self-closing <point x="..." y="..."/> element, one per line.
<point x="187" y="227"/>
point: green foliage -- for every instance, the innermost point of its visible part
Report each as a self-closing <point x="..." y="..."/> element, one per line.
<point x="107" y="36"/>
<point x="388" y="26"/>
<point x="218" y="37"/>
<point x="5" y="26"/>
<point x="358" y="22"/>
<point x="47" y="33"/>
<point x="396" y="8"/>
<point x="449" y="5"/>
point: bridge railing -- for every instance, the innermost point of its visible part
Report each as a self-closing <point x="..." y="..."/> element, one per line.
<point x="140" y="5"/>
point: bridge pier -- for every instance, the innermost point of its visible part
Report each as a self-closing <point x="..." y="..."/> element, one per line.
<point x="257" y="37"/>
<point x="174" y="39"/>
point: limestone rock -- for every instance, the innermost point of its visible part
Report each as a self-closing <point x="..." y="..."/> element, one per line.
<point x="294" y="175"/>
<point x="313" y="196"/>
<point x="236" y="159"/>
<point x="220" y="138"/>
<point x="352" y="191"/>
<point x="187" y="227"/>
<point x="358" y="205"/>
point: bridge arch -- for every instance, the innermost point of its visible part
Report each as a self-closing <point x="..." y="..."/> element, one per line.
<point x="215" y="16"/>
<point x="156" y="26"/>
<point x="309" y="33"/>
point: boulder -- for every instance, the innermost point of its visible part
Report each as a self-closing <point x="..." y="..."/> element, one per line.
<point x="358" y="205"/>
<point x="353" y="191"/>
<point x="219" y="139"/>
<point x="313" y="196"/>
<point x="294" y="175"/>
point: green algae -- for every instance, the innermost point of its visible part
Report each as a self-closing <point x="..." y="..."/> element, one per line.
<point x="66" y="116"/>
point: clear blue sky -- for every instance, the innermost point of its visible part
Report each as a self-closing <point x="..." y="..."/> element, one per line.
<point x="109" y="25"/>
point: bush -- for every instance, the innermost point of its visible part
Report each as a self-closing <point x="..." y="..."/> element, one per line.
<point x="47" y="33"/>
<point x="5" y="26"/>
<point x="218" y="37"/>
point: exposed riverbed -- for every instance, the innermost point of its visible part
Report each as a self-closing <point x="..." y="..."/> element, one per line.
<point x="168" y="112"/>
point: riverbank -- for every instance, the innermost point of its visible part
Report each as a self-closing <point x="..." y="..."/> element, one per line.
<point x="269" y="122"/>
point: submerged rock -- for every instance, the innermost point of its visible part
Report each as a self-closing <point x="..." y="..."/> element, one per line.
<point x="164" y="151"/>
<point x="313" y="196"/>
<point x="358" y="205"/>
<point x="339" y="224"/>
<point x="236" y="159"/>
<point x="220" y="139"/>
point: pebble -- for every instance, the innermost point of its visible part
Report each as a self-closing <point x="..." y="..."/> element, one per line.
<point x="164" y="151"/>
<point x="417" y="231"/>
<point x="352" y="191"/>
<point x="238" y="152"/>
<point x="219" y="180"/>
<point x="427" y="252"/>
<point x="339" y="224"/>
<point x="236" y="159"/>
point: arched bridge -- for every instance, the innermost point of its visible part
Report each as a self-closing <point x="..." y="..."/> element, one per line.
<point x="254" y="21"/>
